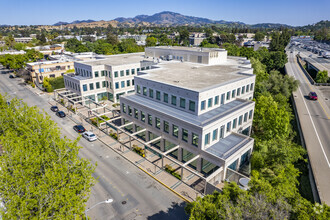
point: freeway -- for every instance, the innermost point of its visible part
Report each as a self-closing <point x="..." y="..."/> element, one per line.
<point x="314" y="118"/>
<point x="135" y="194"/>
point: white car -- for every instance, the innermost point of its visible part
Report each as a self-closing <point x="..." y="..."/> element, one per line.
<point x="89" y="136"/>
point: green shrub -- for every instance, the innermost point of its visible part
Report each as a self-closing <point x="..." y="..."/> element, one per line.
<point x="113" y="135"/>
<point x="171" y="171"/>
<point x="94" y="121"/>
<point x="138" y="150"/>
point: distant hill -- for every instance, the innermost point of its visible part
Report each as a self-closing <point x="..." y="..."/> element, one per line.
<point x="74" y="22"/>
<point x="269" y="25"/>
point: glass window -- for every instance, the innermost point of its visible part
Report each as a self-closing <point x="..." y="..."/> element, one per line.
<point x="106" y="73"/>
<point x="238" y="91"/>
<point x="109" y="74"/>
<point x="184" y="135"/>
<point x="222" y="98"/>
<point x="133" y="71"/>
<point x="175" y="130"/>
<point x="216" y="100"/>
<point x="166" y="97"/>
<point x="91" y="86"/>
<point x="143" y="116"/>
<point x="157" y="95"/>
<point x="209" y="103"/>
<point x="151" y="93"/>
<point x="222" y="131"/>
<point x="145" y="91"/>
<point x="247" y="88"/>
<point x="194" y="140"/>
<point x="85" y="87"/>
<point x="158" y="123"/>
<point x="234" y="123"/>
<point x="228" y="126"/>
<point x="251" y="86"/>
<point x="116" y="74"/>
<point x="127" y="72"/>
<point x="250" y="114"/>
<point x="138" y="69"/>
<point x="136" y="113"/>
<point x="121" y="72"/>
<point x="102" y="73"/>
<point x="215" y="135"/>
<point x="182" y="103"/>
<point x="173" y="100"/>
<point x="129" y="110"/>
<point x="228" y="96"/>
<point x="149" y="119"/>
<point x="233" y="93"/>
<point x="191" y="105"/>
<point x="245" y="117"/>
<point x="207" y="139"/>
<point x="240" y="120"/>
<point x="243" y="90"/>
<point x="122" y="84"/>
<point x="117" y="85"/>
<point x="96" y="74"/>
<point x="138" y="89"/>
<point x="166" y="127"/>
<point x="133" y="82"/>
<point x="110" y="85"/>
<point x="97" y="85"/>
<point x="123" y="108"/>
<point x="203" y="105"/>
<point x="128" y="83"/>
<point x="104" y="84"/>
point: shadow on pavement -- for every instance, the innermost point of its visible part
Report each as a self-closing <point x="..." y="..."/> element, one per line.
<point x="176" y="211"/>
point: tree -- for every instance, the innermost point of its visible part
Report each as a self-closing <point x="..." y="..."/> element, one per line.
<point x="151" y="41"/>
<point x="276" y="60"/>
<point x="10" y="41"/>
<point x="112" y="39"/>
<point x="322" y="77"/>
<point x="259" y="36"/>
<point x="41" y="38"/>
<point x="184" y="37"/>
<point x="46" y="177"/>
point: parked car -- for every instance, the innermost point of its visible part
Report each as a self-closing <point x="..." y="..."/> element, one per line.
<point x="312" y="96"/>
<point x="54" y="108"/>
<point x="79" y="128"/>
<point x="60" y="114"/>
<point x="11" y="76"/>
<point x="90" y="136"/>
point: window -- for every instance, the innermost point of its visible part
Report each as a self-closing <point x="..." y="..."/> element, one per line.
<point x="158" y="123"/>
<point x="247" y="88"/>
<point x="222" y="98"/>
<point x="97" y="85"/>
<point x="117" y="85"/>
<point x="91" y="86"/>
<point x="166" y="127"/>
<point x="138" y="69"/>
<point x="102" y="73"/>
<point x="233" y="93"/>
<point x="136" y="113"/>
<point x="184" y="135"/>
<point x="240" y="120"/>
<point x="145" y="91"/>
<point x="216" y="100"/>
<point x="133" y="82"/>
<point x="238" y="91"/>
<point x="127" y="72"/>
<point x="207" y="139"/>
<point x="149" y="119"/>
<point x="128" y="83"/>
<point x="251" y="86"/>
<point x="96" y="74"/>
<point x="203" y="105"/>
<point x="173" y="100"/>
<point x="133" y="71"/>
<point x="228" y="126"/>
<point x="209" y="102"/>
<point x="138" y="89"/>
<point x="104" y="84"/>
<point x="85" y="87"/>
<point x="194" y="140"/>
<point x="157" y="95"/>
<point x="166" y="97"/>
<point x="182" y="103"/>
<point x="110" y="85"/>
<point x="215" y="135"/>
<point x="121" y="72"/>
<point x="191" y="105"/>
<point x="105" y="73"/>
<point x="175" y="130"/>
<point x="222" y="131"/>
<point x="245" y="117"/>
<point x="243" y="90"/>
<point x="123" y="108"/>
<point x="116" y="74"/>
<point x="129" y="110"/>
<point x="250" y="114"/>
<point x="143" y="116"/>
<point x="228" y="96"/>
<point x="122" y="84"/>
<point x="234" y="123"/>
<point x="151" y="93"/>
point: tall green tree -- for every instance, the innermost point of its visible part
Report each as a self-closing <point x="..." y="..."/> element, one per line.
<point x="151" y="41"/>
<point x="322" y="77"/>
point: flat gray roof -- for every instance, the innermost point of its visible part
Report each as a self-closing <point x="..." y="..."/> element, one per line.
<point x="200" y="120"/>
<point x="117" y="60"/>
<point x="195" y="49"/>
<point x="196" y="77"/>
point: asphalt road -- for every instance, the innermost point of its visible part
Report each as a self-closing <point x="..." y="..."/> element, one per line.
<point x="135" y="194"/>
<point x="320" y="62"/>
<point x="315" y="122"/>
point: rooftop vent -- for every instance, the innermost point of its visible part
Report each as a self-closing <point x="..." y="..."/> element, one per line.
<point x="193" y="67"/>
<point x="176" y="81"/>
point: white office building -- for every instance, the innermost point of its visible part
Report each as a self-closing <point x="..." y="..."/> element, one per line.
<point x="198" y="107"/>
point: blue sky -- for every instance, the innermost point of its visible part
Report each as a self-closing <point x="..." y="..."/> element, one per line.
<point x="292" y="12"/>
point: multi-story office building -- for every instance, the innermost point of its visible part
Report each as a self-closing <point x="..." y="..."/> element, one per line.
<point x="107" y="78"/>
<point x="203" y="107"/>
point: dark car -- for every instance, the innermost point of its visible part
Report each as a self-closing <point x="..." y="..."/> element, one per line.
<point x="312" y="96"/>
<point x="11" y="76"/>
<point x="79" y="128"/>
<point x="54" y="108"/>
<point x="60" y="114"/>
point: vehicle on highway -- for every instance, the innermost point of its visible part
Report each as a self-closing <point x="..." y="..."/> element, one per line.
<point x="79" y="128"/>
<point x="90" y="136"/>
<point x="312" y="96"/>
<point x="60" y="114"/>
<point x="54" y="108"/>
<point x="11" y="76"/>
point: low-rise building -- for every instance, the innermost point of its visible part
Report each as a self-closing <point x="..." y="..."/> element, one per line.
<point x="23" y="39"/>
<point x="195" y="39"/>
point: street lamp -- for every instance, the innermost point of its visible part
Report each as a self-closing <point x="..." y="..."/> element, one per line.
<point x="106" y="201"/>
